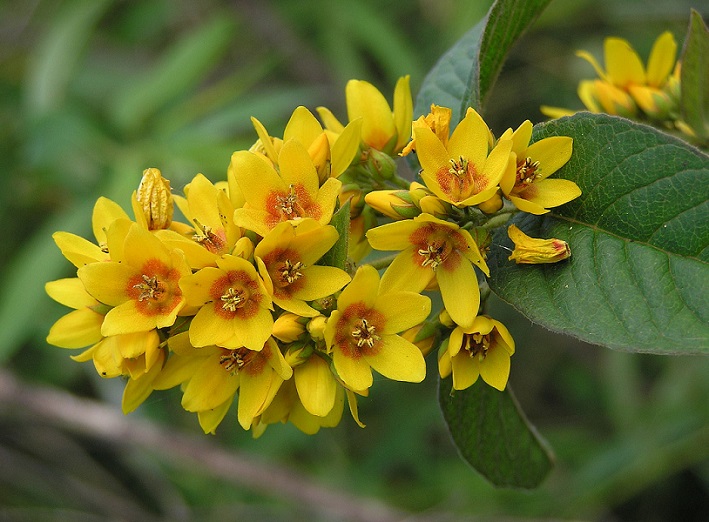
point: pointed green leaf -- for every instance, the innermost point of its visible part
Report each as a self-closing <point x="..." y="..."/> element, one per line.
<point x="638" y="276"/>
<point x="337" y="255"/>
<point x="493" y="435"/>
<point x="694" y="82"/>
<point x="464" y="76"/>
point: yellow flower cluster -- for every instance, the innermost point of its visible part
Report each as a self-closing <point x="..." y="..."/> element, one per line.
<point x="244" y="299"/>
<point x="626" y="87"/>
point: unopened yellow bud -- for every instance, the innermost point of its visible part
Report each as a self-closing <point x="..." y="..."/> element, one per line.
<point x="493" y="204"/>
<point x="445" y="319"/>
<point x="395" y="204"/>
<point x="533" y="251"/>
<point x="288" y="327"/>
<point x="417" y="191"/>
<point x="155" y="199"/>
<point x="319" y="152"/>
<point x="656" y="103"/>
<point x="434" y="206"/>
<point x="602" y="96"/>
<point x="422" y="335"/>
<point x="316" y="327"/>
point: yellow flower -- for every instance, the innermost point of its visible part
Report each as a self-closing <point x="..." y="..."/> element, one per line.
<point x="531" y="250"/>
<point x="80" y="327"/>
<point x="273" y="197"/>
<point x="212" y="375"/>
<point x="330" y="157"/>
<point x="286" y="258"/>
<point x="211" y="212"/>
<point x="433" y="249"/>
<point x="462" y="172"/>
<point x="234" y="305"/>
<point x="362" y="333"/>
<point x="483" y="349"/>
<point x="132" y="354"/>
<point x="382" y="128"/>
<point x="438" y="120"/>
<point x="526" y="182"/>
<point x="140" y="282"/>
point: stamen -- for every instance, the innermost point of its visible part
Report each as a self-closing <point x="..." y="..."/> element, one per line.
<point x="477" y="345"/>
<point x="234" y="360"/>
<point x="231" y="299"/>
<point x="288" y="205"/>
<point x="459" y="168"/>
<point x="527" y="172"/>
<point x="291" y="272"/>
<point x="365" y="334"/>
<point x="432" y="254"/>
<point x="149" y="288"/>
<point x="208" y="239"/>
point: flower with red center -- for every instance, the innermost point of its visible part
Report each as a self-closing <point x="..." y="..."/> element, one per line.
<point x="286" y="258"/>
<point x="526" y="182"/>
<point x="462" y="172"/>
<point x="362" y="333"/>
<point x="483" y="349"/>
<point x="212" y="375"/>
<point x="234" y="305"/>
<point x="141" y="283"/>
<point x="291" y="194"/>
<point x="433" y="248"/>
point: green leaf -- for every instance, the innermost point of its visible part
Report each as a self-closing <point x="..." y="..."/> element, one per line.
<point x="638" y="277"/>
<point x="464" y="76"/>
<point x="694" y="82"/>
<point x="337" y="255"/>
<point x="493" y="435"/>
<point x="182" y="69"/>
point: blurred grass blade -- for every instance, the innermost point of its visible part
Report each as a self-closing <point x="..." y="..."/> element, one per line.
<point x="59" y="51"/>
<point x="180" y="71"/>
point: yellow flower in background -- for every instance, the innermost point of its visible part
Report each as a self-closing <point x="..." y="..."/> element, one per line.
<point x="382" y="128"/>
<point x="433" y="249"/>
<point x="141" y="283"/>
<point x="533" y="251"/>
<point x="234" y="305"/>
<point x="462" y="172"/>
<point x="481" y="350"/>
<point x="626" y="84"/>
<point x="293" y="193"/>
<point x="526" y="182"/>
<point x="286" y="258"/>
<point x="362" y="333"/>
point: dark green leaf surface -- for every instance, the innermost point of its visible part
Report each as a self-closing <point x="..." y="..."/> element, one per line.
<point x="337" y="255"/>
<point x="638" y="278"/>
<point x="695" y="78"/>
<point x="493" y="435"/>
<point x="464" y="75"/>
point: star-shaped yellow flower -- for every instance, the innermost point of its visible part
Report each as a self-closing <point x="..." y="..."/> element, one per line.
<point x="462" y="172"/>
<point x="362" y="333"/>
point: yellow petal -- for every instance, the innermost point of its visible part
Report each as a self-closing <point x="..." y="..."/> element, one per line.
<point x="495" y="368"/>
<point x="345" y="147"/>
<point x="402" y="310"/>
<point x="126" y="318"/>
<point x="210" y="386"/>
<point x="77" y="250"/>
<point x="551" y="153"/>
<point x="255" y="394"/>
<point x="316" y="386"/>
<point x="466" y="371"/>
<point x="76" y="329"/>
<point x="406" y="273"/>
<point x="555" y="112"/>
<point x="550" y="193"/>
<point x="297" y="167"/>
<point x="104" y="214"/>
<point x="594" y="63"/>
<point x="137" y="390"/>
<point x="403" y="111"/>
<point x="321" y="281"/>
<point x="364" y="287"/>
<point x="266" y="141"/>
<point x="662" y="60"/>
<point x="392" y="236"/>
<point x="623" y="65"/>
<point x="355" y="373"/>
<point x="331" y="123"/>
<point x="107" y="281"/>
<point x="302" y="126"/>
<point x="327" y="198"/>
<point x="365" y="101"/>
<point x="209" y="420"/>
<point x="469" y="139"/>
<point x="520" y="137"/>
<point x="460" y="292"/>
<point x="398" y="359"/>
<point x="70" y="292"/>
<point x="496" y="164"/>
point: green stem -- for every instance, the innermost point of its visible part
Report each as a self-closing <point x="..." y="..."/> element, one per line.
<point x="383" y="262"/>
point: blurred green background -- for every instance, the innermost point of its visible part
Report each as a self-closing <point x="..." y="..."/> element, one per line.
<point x="92" y="92"/>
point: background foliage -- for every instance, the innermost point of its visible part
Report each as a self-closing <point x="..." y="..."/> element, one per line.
<point x="92" y="92"/>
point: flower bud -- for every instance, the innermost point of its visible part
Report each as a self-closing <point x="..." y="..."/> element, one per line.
<point x="435" y="206"/>
<point x="319" y="152"/>
<point x="493" y="204"/>
<point x="288" y="327"/>
<point x="380" y="165"/>
<point x="395" y="204"/>
<point x="155" y="200"/>
<point x="533" y="251"/>
<point x="316" y="327"/>
<point x="656" y="103"/>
